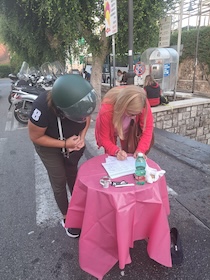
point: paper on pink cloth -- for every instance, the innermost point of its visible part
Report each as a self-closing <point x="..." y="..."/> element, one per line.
<point x="112" y="219"/>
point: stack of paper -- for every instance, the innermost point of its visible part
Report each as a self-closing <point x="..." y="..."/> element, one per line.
<point x="117" y="168"/>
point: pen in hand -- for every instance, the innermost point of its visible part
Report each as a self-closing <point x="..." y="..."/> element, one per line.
<point x="121" y="155"/>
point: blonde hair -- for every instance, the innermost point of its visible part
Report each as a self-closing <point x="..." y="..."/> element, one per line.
<point x="149" y="80"/>
<point x="126" y="100"/>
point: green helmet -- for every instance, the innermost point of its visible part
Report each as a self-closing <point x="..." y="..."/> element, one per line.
<point x="74" y="96"/>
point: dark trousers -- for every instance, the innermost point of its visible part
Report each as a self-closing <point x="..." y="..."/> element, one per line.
<point x="61" y="171"/>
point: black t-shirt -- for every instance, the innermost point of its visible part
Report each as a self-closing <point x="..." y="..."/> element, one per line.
<point x="43" y="116"/>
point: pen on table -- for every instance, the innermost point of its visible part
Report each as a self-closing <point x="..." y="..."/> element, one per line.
<point x="124" y="185"/>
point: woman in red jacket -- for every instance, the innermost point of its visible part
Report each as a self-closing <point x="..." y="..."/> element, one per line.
<point x="119" y="106"/>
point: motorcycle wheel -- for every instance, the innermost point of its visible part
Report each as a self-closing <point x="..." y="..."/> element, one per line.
<point x="22" y="113"/>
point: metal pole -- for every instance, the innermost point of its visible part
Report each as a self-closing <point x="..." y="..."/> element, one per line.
<point x="179" y="45"/>
<point x="110" y="72"/>
<point x="131" y="74"/>
<point x="113" y="53"/>
<point x="196" y="48"/>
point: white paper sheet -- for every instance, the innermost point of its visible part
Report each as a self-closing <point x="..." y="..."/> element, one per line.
<point x="117" y="168"/>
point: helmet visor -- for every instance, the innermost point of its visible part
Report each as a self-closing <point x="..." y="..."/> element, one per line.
<point x="82" y="109"/>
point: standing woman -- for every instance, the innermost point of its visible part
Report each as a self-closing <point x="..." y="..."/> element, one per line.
<point x="124" y="78"/>
<point x="57" y="127"/>
<point x="120" y="105"/>
<point x="119" y="77"/>
<point x="153" y="91"/>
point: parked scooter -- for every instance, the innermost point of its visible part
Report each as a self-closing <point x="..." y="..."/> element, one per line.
<point x="23" y="78"/>
<point x="13" y="78"/>
<point x="23" y="100"/>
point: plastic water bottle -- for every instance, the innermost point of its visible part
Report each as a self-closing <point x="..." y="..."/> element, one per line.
<point x="140" y="169"/>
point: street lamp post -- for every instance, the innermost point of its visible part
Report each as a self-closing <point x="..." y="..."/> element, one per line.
<point x="179" y="46"/>
<point x="131" y="74"/>
<point x="196" y="48"/>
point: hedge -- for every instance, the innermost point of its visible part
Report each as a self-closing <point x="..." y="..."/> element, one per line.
<point x="5" y="70"/>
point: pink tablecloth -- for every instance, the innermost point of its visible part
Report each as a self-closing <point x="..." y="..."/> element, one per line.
<point x="112" y="219"/>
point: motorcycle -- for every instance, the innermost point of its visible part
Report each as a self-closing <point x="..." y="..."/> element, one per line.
<point x="22" y="102"/>
<point x="23" y="78"/>
<point x="23" y="97"/>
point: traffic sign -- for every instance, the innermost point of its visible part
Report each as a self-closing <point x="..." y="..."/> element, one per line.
<point x="139" y="68"/>
<point x="165" y="32"/>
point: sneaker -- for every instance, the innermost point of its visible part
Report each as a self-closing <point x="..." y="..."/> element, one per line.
<point x="71" y="232"/>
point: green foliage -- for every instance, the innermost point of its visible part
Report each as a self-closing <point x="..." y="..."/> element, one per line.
<point x="146" y="16"/>
<point x="189" y="39"/>
<point x="43" y="30"/>
<point x="22" y="32"/>
<point x="15" y="63"/>
<point x="5" y="70"/>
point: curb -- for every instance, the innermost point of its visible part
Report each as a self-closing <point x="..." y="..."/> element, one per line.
<point x="184" y="149"/>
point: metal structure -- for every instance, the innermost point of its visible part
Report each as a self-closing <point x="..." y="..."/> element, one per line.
<point x="191" y="11"/>
<point x="131" y="74"/>
<point x="162" y="64"/>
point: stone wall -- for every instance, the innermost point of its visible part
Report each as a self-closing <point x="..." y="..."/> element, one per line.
<point x="185" y="77"/>
<point x="201" y="87"/>
<point x="189" y="118"/>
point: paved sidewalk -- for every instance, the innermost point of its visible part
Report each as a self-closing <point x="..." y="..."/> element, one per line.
<point x="184" y="149"/>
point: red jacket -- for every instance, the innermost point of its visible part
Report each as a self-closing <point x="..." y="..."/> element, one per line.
<point x="104" y="129"/>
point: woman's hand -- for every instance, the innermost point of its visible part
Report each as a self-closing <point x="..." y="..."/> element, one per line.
<point x="81" y="144"/>
<point x="121" y="155"/>
<point x="72" y="143"/>
<point x="136" y="154"/>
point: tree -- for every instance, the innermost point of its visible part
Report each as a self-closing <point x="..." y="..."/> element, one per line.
<point x="43" y="28"/>
<point x="22" y="33"/>
<point x="146" y="16"/>
<point x="72" y="20"/>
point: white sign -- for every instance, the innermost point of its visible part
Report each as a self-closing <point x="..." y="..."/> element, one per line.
<point x="110" y="13"/>
<point x="165" y="32"/>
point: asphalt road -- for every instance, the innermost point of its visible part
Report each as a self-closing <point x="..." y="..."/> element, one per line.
<point x="33" y="243"/>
